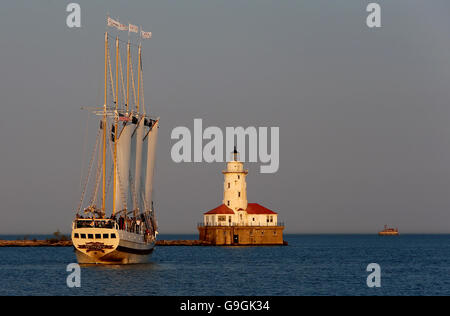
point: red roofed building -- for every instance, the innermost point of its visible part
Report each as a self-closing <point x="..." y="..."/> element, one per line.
<point x="253" y="215"/>
<point x="221" y="209"/>
<point x="238" y="214"/>
<point x="255" y="208"/>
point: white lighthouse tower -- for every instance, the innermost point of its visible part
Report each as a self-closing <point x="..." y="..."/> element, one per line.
<point x="235" y="188"/>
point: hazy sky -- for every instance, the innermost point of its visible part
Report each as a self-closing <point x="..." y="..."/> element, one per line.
<point x="364" y="114"/>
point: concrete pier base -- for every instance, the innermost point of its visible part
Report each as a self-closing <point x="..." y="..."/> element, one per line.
<point x="241" y="235"/>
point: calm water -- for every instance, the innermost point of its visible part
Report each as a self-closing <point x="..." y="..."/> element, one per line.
<point x="310" y="265"/>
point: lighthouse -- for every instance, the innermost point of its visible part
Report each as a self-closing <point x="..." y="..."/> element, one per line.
<point x="235" y="221"/>
<point x="235" y="187"/>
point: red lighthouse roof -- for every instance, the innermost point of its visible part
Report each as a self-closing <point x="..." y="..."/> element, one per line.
<point x="252" y="208"/>
<point x="255" y="208"/>
<point x="221" y="209"/>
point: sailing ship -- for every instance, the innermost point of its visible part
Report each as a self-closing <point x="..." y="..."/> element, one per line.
<point x="123" y="228"/>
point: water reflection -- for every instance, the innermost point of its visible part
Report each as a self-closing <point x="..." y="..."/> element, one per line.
<point x="121" y="279"/>
<point x="148" y="266"/>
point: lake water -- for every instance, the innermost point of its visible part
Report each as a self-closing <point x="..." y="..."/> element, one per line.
<point x="310" y="265"/>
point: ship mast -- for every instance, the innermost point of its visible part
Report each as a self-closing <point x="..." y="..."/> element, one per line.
<point x="104" y="126"/>
<point x="128" y="76"/>
<point x="139" y="78"/>
<point x="115" y="127"/>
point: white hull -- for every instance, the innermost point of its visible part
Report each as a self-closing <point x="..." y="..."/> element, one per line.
<point x="111" y="246"/>
<point x="115" y="257"/>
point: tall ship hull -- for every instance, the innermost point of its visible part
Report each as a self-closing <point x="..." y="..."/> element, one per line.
<point x="120" y="174"/>
<point x="105" y="243"/>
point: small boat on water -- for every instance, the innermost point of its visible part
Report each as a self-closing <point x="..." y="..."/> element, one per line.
<point x="123" y="228"/>
<point x="389" y="231"/>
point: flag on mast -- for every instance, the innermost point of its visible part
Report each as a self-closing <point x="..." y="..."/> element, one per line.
<point x="133" y="28"/>
<point x="113" y="23"/>
<point x="117" y="24"/>
<point x="146" y="34"/>
<point x="122" y="27"/>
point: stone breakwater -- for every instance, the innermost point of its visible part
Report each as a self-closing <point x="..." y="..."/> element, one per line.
<point x="182" y="243"/>
<point x="35" y="243"/>
<point x="68" y="243"/>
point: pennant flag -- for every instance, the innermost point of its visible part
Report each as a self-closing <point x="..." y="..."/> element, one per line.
<point x="133" y="28"/>
<point x="114" y="23"/>
<point x="122" y="27"/>
<point x="146" y="34"/>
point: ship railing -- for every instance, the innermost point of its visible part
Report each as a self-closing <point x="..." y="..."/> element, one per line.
<point x="94" y="223"/>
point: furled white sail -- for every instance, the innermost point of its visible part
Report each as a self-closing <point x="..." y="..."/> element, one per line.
<point x="142" y="200"/>
<point x="132" y="196"/>
<point x="123" y="167"/>
<point x="140" y="133"/>
<point x="151" y="150"/>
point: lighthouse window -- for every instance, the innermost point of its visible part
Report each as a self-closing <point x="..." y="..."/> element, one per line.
<point x="239" y="177"/>
<point x="113" y="235"/>
<point x="90" y="236"/>
<point x="228" y="185"/>
<point x="76" y="235"/>
<point x="105" y="236"/>
<point x="83" y="236"/>
<point x="222" y="218"/>
<point x="239" y="194"/>
<point x="98" y="236"/>
<point x="228" y="203"/>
